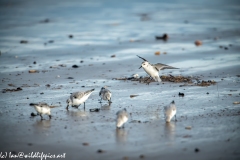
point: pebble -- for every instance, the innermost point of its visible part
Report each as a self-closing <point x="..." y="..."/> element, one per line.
<point x="188" y="127"/>
<point x="33" y="71"/>
<point x="196" y="150"/>
<point x="100" y="151"/>
<point x="198" y="43"/>
<point x="157" y="53"/>
<point x="75" y="66"/>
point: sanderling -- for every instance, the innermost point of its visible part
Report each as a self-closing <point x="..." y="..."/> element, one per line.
<point x="77" y="98"/>
<point x="170" y="111"/>
<point x="42" y="108"/>
<point x="153" y="69"/>
<point x="105" y="94"/>
<point x="122" y="117"/>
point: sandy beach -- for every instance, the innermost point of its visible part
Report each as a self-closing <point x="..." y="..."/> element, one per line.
<point x="102" y="40"/>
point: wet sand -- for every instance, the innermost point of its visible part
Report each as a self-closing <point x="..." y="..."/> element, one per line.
<point x="207" y="124"/>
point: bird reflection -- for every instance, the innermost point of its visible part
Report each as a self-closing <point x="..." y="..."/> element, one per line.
<point x="170" y="131"/>
<point x="121" y="135"/>
<point x="77" y="113"/>
<point x="106" y="106"/>
<point x="43" y="124"/>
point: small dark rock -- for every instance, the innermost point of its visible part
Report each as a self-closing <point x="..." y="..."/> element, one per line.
<point x="41" y="93"/>
<point x="196" y="150"/>
<point x="70" y="78"/>
<point x="45" y="21"/>
<point x="47" y="85"/>
<point x="181" y="94"/>
<point x="75" y="66"/>
<point x="207" y="93"/>
<point x="30" y="144"/>
<point x="100" y="151"/>
<point x="83" y="86"/>
<point x="141" y="156"/>
<point x="226" y="48"/>
<point x="164" y="37"/>
<point x="85" y="144"/>
<point x="33" y="114"/>
<point x="70" y="36"/>
<point x="34" y="62"/>
<point x="94" y="110"/>
<point x="23" y="41"/>
<point x="81" y="61"/>
<point x="51" y="41"/>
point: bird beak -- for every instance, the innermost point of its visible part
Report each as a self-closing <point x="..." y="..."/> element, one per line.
<point x="140" y="67"/>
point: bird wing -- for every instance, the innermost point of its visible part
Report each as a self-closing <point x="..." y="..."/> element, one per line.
<point x="160" y="66"/>
<point x="142" y="58"/>
<point x="77" y="95"/>
<point x="88" y="92"/>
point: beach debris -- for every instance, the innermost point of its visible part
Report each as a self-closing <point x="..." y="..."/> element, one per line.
<point x="135" y="76"/>
<point x="23" y="41"/>
<point x="94" y="110"/>
<point x="33" y="71"/>
<point x="125" y="158"/>
<point x="100" y="151"/>
<point x="51" y="41"/>
<point x="181" y="94"/>
<point x="196" y="150"/>
<point x="33" y="114"/>
<point x="70" y="78"/>
<point x="62" y="65"/>
<point x="188" y="80"/>
<point x="198" y="43"/>
<point x="112" y="56"/>
<point x="133" y="95"/>
<point x="157" y="53"/>
<point x="45" y="20"/>
<point x="236" y="102"/>
<point x="75" y="66"/>
<point x="188" y="127"/>
<point x="12" y="90"/>
<point x="85" y="144"/>
<point x="141" y="156"/>
<point x="164" y="37"/>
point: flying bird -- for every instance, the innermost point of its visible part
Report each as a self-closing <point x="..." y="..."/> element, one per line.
<point x="153" y="69"/>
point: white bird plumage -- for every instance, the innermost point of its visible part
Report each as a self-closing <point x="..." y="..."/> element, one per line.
<point x="105" y="94"/>
<point x="122" y="118"/>
<point x="42" y="108"/>
<point x="77" y="98"/>
<point x="170" y="111"/>
<point x="153" y="69"/>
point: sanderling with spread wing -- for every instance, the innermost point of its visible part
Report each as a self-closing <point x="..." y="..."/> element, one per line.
<point x="105" y="94"/>
<point x="122" y="117"/>
<point x="153" y="69"/>
<point x="42" y="108"/>
<point x="77" y="98"/>
<point x="170" y="111"/>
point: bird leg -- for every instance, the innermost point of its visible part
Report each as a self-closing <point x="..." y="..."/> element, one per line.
<point x="84" y="106"/>
<point x="41" y="116"/>
<point x="147" y="79"/>
<point x="67" y="107"/>
<point x="175" y="118"/>
<point x="50" y="116"/>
